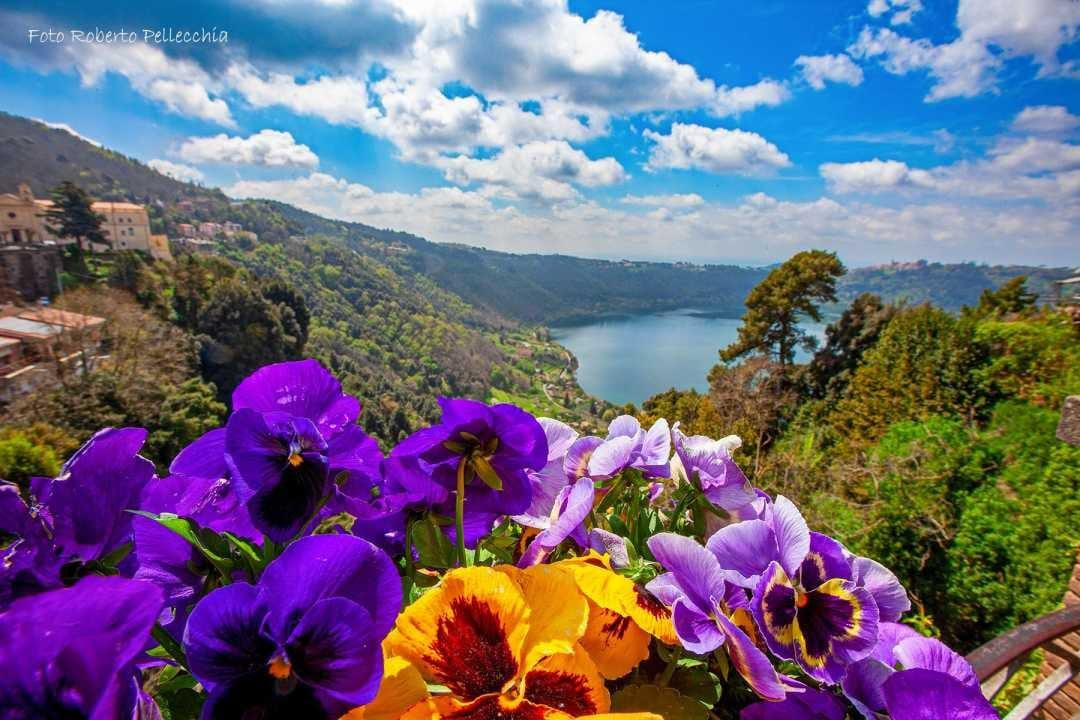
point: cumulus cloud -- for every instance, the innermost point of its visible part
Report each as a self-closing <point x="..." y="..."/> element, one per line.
<point x="177" y="171"/>
<point x="1045" y="120"/>
<point x="682" y="200"/>
<point x="273" y="148"/>
<point x="68" y="129"/>
<point x="336" y="99"/>
<point x="817" y="69"/>
<point x="543" y="170"/>
<point x="716" y="150"/>
<point x="873" y="176"/>
<point x="990" y="32"/>
<point x="902" y="10"/>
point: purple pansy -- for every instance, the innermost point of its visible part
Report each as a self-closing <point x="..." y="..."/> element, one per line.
<point x="292" y="430"/>
<point x="548" y="482"/>
<point x="627" y="445"/>
<point x="703" y="608"/>
<point x="79" y="516"/>
<point x="805" y="601"/>
<point x="709" y="464"/>
<point x="490" y="448"/>
<point x="70" y="652"/>
<point x="809" y="704"/>
<point x="572" y="506"/>
<point x="932" y="681"/>
<point x="305" y="641"/>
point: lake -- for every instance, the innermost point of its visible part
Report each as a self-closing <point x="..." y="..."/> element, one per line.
<point x="629" y="359"/>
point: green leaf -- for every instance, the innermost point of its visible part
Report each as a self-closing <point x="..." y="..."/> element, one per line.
<point x="487" y="473"/>
<point x="666" y="702"/>
<point x="212" y="546"/>
<point x="431" y="543"/>
<point x="343" y="520"/>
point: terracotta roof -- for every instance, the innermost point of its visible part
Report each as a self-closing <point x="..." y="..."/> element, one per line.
<point x="22" y="328"/>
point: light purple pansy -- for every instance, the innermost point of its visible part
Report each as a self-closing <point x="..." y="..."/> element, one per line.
<point x="548" y="482"/>
<point x="71" y="652"/>
<point x="927" y="668"/>
<point x="627" y="445"/>
<point x="572" y="506"/>
<point x="701" y="606"/>
<point x="709" y="464"/>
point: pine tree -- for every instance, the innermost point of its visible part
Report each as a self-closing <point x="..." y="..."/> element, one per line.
<point x="72" y="216"/>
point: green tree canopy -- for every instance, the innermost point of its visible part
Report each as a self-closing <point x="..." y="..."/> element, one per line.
<point x="774" y="307"/>
<point x="72" y="215"/>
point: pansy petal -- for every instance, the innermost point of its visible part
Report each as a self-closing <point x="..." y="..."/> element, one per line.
<point x="890" y="634"/>
<point x="774" y="610"/>
<point x="792" y="534"/>
<point x="402" y="687"/>
<point x="931" y="654"/>
<point x="929" y="695"/>
<point x="546" y="485"/>
<point x="744" y="550"/>
<point x="324" y="566"/>
<point x="615" y="642"/>
<point x="837" y="625"/>
<point x="864" y="686"/>
<point x="560" y="437"/>
<point x="891" y="597"/>
<point x="256" y="695"/>
<point x="576" y="463"/>
<point x="333" y="650"/>
<point x="655" y="450"/>
<point x="614" y="546"/>
<point x="695" y="568"/>
<point x="824" y="561"/>
<point x="624" y="426"/>
<point x="611" y="458"/>
<point x="303" y="388"/>
<point x="578" y="505"/>
<point x="467" y="634"/>
<point x="205" y="457"/>
<point x="807" y="705"/>
<point x="554" y="627"/>
<point x="697" y="632"/>
<point x="521" y="438"/>
<point x="221" y="638"/>
<point x="750" y="662"/>
<point x="569" y="682"/>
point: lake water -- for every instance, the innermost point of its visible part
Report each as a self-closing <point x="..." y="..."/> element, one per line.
<point x="629" y="359"/>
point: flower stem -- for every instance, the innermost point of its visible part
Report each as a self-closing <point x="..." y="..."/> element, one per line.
<point x="166" y="641"/>
<point x="459" y="514"/>
<point x="673" y="663"/>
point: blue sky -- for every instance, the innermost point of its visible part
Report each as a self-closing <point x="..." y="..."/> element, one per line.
<point x="690" y="130"/>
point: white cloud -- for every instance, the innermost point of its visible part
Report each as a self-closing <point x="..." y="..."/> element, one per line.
<point x="336" y="99"/>
<point x="902" y="10"/>
<point x="873" y="176"/>
<point x="990" y="31"/>
<point x="68" y="129"/>
<point x="272" y="148"/>
<point x="941" y="140"/>
<point x="715" y="150"/>
<point x="1035" y="155"/>
<point x="545" y="170"/>
<point x="177" y="171"/>
<point x="1045" y="120"/>
<point x="817" y="69"/>
<point x="182" y="86"/>
<point x="684" y="200"/>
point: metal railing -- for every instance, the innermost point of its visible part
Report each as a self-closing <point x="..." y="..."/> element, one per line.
<point x="998" y="660"/>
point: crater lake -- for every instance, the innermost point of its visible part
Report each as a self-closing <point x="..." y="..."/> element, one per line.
<point x="630" y="358"/>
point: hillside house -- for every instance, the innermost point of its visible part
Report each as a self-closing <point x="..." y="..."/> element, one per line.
<point x="22" y="222"/>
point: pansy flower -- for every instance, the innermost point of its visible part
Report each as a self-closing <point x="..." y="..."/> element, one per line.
<point x="77" y="517"/>
<point x="703" y="606"/>
<point x="71" y="652"/>
<point x="805" y="602"/>
<point x="627" y="445"/>
<point x="291" y="431"/>
<point x="572" y="505"/>
<point x="623" y="616"/>
<point x="487" y="450"/>
<point x="303" y="642"/>
<point x="548" y="482"/>
<point x="709" y="464"/>
<point x="911" y="677"/>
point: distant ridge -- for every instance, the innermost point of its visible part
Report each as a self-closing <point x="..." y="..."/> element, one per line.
<point x="529" y="288"/>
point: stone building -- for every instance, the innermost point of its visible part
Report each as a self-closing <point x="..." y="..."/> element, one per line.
<point x="22" y="222"/>
<point x="29" y="272"/>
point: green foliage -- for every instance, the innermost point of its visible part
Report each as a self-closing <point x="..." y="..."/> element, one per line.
<point x="847" y="339"/>
<point x="774" y="307"/>
<point x="188" y="412"/>
<point x="71" y="215"/>
<point x="1036" y="359"/>
<point x="1012" y="298"/>
<point x="22" y="459"/>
